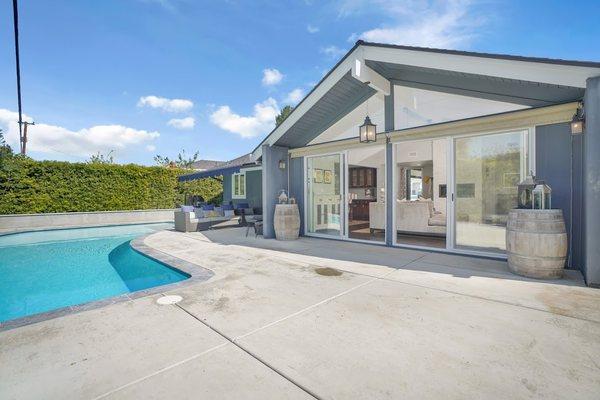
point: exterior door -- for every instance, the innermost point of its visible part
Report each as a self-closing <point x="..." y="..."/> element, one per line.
<point x="324" y="195"/>
<point x="487" y="169"/>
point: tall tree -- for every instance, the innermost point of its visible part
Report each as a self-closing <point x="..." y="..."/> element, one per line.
<point x="5" y="149"/>
<point x="100" y="158"/>
<point x="283" y="114"/>
<point x="182" y="161"/>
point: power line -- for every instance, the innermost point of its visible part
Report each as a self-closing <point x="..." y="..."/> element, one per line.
<point x="16" y="24"/>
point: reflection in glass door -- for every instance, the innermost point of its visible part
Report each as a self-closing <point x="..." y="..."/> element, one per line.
<point x="487" y="170"/>
<point x="324" y="195"/>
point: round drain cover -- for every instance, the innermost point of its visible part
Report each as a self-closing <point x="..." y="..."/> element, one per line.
<point x="173" y="299"/>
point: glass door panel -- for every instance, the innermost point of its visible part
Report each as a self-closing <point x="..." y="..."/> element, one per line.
<point x="487" y="171"/>
<point x="365" y="200"/>
<point x="324" y="195"/>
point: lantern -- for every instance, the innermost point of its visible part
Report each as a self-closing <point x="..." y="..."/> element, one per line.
<point x="578" y="121"/>
<point x="283" y="197"/>
<point x="525" y="195"/>
<point x="367" y="131"/>
<point x="542" y="196"/>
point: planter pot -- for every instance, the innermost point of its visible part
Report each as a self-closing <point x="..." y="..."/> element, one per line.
<point x="286" y="221"/>
<point x="536" y="243"/>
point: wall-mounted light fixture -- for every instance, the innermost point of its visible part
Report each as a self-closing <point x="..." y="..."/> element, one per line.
<point x="578" y="121"/>
<point x="281" y="164"/>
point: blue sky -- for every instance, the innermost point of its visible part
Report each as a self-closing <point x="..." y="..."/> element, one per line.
<point x="146" y="77"/>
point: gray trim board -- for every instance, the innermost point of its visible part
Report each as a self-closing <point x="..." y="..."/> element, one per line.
<point x="591" y="188"/>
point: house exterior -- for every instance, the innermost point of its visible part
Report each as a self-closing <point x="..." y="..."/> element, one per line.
<point x="204" y="165"/>
<point x="241" y="177"/>
<point x="456" y="132"/>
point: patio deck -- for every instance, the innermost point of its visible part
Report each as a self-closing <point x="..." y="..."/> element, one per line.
<point x="316" y="318"/>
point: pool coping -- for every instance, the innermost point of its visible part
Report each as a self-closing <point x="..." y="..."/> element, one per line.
<point x="196" y="272"/>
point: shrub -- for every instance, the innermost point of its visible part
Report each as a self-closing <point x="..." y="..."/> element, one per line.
<point x="29" y="186"/>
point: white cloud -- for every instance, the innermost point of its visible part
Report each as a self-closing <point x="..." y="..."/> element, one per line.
<point x="450" y="24"/>
<point x="56" y="140"/>
<point x="259" y="123"/>
<point x="333" y="51"/>
<point x="182" y="123"/>
<point x="170" y="105"/>
<point x="312" y="29"/>
<point x="294" y="96"/>
<point x="271" y="76"/>
<point x="150" y="147"/>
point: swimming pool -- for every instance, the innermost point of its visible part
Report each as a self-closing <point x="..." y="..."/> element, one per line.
<point x="46" y="270"/>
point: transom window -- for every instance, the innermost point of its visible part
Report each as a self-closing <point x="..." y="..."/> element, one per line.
<point x="238" y="183"/>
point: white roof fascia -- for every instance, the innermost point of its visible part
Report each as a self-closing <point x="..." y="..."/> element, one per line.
<point x="552" y="74"/>
<point x="548" y="73"/>
<point x="310" y="101"/>
<point x="365" y="74"/>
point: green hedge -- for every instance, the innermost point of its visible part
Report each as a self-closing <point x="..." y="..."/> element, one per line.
<point x="28" y="186"/>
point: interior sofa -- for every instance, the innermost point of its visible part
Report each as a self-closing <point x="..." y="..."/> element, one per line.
<point x="411" y="217"/>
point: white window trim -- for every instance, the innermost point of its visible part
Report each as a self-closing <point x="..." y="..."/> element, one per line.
<point x="233" y="177"/>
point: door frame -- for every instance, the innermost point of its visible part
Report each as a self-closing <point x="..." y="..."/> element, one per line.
<point x="346" y="196"/>
<point x="451" y="190"/>
<point x="342" y="155"/>
<point x="529" y="145"/>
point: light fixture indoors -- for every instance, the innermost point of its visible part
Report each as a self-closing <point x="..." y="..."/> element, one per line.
<point x="578" y="121"/>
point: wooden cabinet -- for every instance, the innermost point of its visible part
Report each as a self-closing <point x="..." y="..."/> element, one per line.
<point x="359" y="210"/>
<point x="362" y="177"/>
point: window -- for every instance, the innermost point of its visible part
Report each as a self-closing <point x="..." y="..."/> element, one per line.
<point x="238" y="183"/>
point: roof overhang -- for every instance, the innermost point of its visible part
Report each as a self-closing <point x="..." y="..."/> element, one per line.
<point x="369" y="68"/>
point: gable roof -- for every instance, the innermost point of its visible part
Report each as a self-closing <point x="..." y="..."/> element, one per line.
<point x="206" y="164"/>
<point x="505" y="77"/>
<point x="225" y="168"/>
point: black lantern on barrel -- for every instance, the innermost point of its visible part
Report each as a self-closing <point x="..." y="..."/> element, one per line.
<point x="525" y="192"/>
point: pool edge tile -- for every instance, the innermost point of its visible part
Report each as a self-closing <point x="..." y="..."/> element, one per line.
<point x="196" y="272"/>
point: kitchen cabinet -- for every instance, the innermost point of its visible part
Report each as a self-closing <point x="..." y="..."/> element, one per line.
<point x="362" y="177"/>
<point x="359" y="210"/>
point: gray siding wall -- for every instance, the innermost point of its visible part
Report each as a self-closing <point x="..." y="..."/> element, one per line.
<point x="253" y="189"/>
<point x="297" y="186"/>
<point x="274" y="180"/>
<point x="558" y="162"/>
<point x="591" y="179"/>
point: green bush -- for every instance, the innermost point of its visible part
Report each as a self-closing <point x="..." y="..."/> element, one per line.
<point x="29" y="186"/>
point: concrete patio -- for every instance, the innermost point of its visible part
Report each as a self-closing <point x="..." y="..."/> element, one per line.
<point x="319" y="319"/>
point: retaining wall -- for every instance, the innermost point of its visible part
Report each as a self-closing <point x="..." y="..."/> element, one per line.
<point x="27" y="222"/>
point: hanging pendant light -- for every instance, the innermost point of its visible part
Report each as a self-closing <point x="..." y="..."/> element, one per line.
<point x="367" y="132"/>
<point x="578" y="121"/>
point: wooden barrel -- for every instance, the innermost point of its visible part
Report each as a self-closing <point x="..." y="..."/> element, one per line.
<point x="536" y="243"/>
<point x="286" y="221"/>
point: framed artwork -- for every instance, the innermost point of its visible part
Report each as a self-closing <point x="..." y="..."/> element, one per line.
<point x="327" y="176"/>
<point x="318" y="175"/>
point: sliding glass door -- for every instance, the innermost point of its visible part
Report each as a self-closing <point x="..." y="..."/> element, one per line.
<point x="487" y="170"/>
<point x="324" y="194"/>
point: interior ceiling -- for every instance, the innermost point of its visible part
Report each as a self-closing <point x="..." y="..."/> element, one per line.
<point x="348" y="93"/>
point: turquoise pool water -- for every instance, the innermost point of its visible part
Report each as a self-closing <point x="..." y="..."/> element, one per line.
<point x="47" y="270"/>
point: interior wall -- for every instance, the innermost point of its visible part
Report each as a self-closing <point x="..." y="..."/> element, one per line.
<point x="440" y="172"/>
